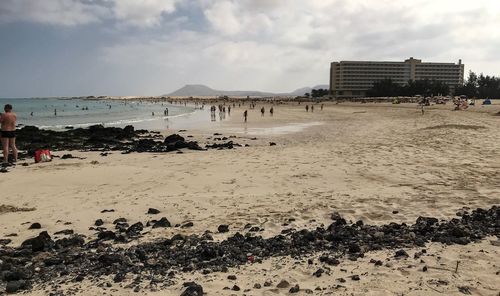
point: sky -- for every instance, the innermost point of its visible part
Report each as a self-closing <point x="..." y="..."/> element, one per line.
<point x="153" y="47"/>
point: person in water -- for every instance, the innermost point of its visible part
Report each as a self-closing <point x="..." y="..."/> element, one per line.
<point x="8" y="133"/>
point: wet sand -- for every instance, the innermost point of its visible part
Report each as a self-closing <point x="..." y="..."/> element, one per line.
<point x="377" y="163"/>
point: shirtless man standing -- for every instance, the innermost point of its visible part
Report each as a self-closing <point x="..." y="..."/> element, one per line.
<point x="8" y="122"/>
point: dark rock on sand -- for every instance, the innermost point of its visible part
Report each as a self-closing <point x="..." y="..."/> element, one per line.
<point x="152" y="211"/>
<point x="188" y="225"/>
<point x="401" y="254"/>
<point x="294" y="289"/>
<point x="109" y="259"/>
<point x="135" y="229"/>
<point x="223" y="228"/>
<point x="163" y="222"/>
<point x="99" y="138"/>
<point x="15" y="286"/>
<point x="106" y="235"/>
<point x="283" y="284"/>
<point x="231" y="277"/>
<point x="187" y="253"/>
<point x="329" y="260"/>
<point x="120" y="220"/>
<point x="35" y="225"/>
<point x="5" y="241"/>
<point x="98" y="222"/>
<point x="119" y="277"/>
<point x="319" y="272"/>
<point x="192" y="289"/>
<point x="64" y="232"/>
<point x="72" y="241"/>
<point x="42" y="242"/>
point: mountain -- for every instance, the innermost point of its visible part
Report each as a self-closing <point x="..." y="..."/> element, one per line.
<point x="303" y="90"/>
<point x="192" y="90"/>
<point x="200" y="90"/>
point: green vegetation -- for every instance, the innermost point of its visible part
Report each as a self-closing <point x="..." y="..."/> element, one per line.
<point x="480" y="87"/>
<point x="388" y="88"/>
<point x="317" y="93"/>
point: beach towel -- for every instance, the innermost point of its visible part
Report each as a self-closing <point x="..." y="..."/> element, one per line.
<point x="42" y="155"/>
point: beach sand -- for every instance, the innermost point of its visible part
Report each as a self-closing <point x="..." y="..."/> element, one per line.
<point x="378" y="163"/>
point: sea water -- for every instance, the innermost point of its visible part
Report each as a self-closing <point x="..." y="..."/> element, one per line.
<point x="57" y="113"/>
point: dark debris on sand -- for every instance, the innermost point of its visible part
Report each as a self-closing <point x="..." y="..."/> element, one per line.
<point x="105" y="139"/>
<point x="49" y="263"/>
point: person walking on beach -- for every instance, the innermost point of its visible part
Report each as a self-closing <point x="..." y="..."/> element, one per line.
<point x="321" y="107"/>
<point x="8" y="133"/>
<point x="245" y="114"/>
<point x="312" y="108"/>
<point x="262" y="111"/>
<point x="307" y="108"/>
<point x="271" y="111"/>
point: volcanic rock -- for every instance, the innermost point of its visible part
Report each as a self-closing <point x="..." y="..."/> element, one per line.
<point x="120" y="220"/>
<point x="35" y="225"/>
<point x="192" y="289"/>
<point x="223" y="228"/>
<point x="163" y="222"/>
<point x="5" y="241"/>
<point x="106" y="235"/>
<point x="294" y="289"/>
<point x="15" y="286"/>
<point x="283" y="284"/>
<point x="401" y="254"/>
<point x="64" y="232"/>
<point x="153" y="211"/>
<point x="42" y="242"/>
<point x="135" y="229"/>
<point x="318" y="273"/>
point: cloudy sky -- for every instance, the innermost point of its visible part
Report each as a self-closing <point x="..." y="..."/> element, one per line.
<point x="152" y="47"/>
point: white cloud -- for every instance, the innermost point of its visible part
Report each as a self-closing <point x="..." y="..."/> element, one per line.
<point x="54" y="12"/>
<point x="272" y="45"/>
<point x="142" y="13"/>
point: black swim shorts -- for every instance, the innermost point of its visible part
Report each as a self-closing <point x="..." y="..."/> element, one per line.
<point x="8" y="134"/>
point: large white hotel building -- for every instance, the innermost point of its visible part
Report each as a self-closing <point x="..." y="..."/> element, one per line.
<point x="355" y="78"/>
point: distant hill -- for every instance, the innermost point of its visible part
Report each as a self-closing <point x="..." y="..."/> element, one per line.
<point x="200" y="90"/>
<point x="191" y="90"/>
<point x="303" y="90"/>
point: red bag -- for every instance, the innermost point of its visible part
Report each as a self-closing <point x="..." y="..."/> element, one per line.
<point x="43" y="155"/>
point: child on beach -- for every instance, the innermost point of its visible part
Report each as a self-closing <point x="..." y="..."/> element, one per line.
<point x="8" y="133"/>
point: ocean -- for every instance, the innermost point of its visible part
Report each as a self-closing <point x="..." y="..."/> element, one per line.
<point x="56" y="113"/>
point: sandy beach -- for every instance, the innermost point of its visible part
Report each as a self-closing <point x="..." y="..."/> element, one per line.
<point x="379" y="163"/>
